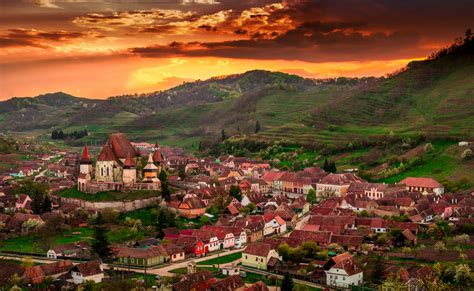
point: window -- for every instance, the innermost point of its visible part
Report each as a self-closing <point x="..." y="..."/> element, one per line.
<point x="245" y="256"/>
<point x="102" y="171"/>
<point x="108" y="171"/>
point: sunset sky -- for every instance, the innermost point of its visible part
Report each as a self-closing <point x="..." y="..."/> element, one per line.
<point x="100" y="48"/>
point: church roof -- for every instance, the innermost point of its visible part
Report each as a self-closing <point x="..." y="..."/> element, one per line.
<point x="120" y="145"/>
<point x="86" y="156"/>
<point x="106" y="154"/>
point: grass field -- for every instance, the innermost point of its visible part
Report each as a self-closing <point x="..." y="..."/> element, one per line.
<point x="143" y="214"/>
<point x="26" y="243"/>
<point x="108" y="196"/>
<point x="221" y="260"/>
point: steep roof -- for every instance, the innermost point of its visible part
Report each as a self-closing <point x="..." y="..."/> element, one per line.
<point x="149" y="165"/>
<point x="157" y="156"/>
<point x="106" y="154"/>
<point x="129" y="162"/>
<point x="120" y="145"/>
<point x="86" y="156"/>
<point x="345" y="262"/>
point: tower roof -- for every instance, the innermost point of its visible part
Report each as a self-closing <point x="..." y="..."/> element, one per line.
<point x="149" y="165"/>
<point x="129" y="162"/>
<point x="106" y="154"/>
<point x="157" y="156"/>
<point x="86" y="156"/>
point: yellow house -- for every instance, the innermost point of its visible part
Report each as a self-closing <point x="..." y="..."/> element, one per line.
<point x="257" y="255"/>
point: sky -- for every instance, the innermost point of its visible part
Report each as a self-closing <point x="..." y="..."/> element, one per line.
<point x="103" y="48"/>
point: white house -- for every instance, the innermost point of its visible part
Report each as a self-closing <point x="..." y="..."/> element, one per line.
<point x="342" y="271"/>
<point x="89" y="271"/>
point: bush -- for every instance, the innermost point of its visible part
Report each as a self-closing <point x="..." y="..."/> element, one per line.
<point x="466" y="154"/>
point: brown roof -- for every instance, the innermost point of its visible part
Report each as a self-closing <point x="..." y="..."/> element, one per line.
<point x="421" y="182"/>
<point x="258" y="249"/>
<point x="120" y="145"/>
<point x="259" y="286"/>
<point x="157" y="156"/>
<point x="409" y="235"/>
<point x="142" y="253"/>
<point x="343" y="261"/>
<point x="340" y="179"/>
<point x="228" y="284"/>
<point x="106" y="154"/>
<point x="89" y="268"/>
<point x="199" y="280"/>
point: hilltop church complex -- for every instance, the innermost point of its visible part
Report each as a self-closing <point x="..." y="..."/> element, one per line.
<point x="116" y="168"/>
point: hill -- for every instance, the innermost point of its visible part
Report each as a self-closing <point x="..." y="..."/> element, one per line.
<point x="431" y="97"/>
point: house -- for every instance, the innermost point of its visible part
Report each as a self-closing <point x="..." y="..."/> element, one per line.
<point x="320" y="238"/>
<point x="192" y="245"/>
<point x="142" y="257"/>
<point x="233" y="282"/>
<point x="209" y="239"/>
<point x="24" y="222"/>
<point x="231" y="270"/>
<point x="192" y="207"/>
<point x="258" y="286"/>
<point x="88" y="271"/>
<point x="336" y="184"/>
<point x="257" y="255"/>
<point x="343" y="271"/>
<point x="423" y="185"/>
<point x="202" y="280"/>
<point x="275" y="223"/>
<point x="174" y="252"/>
<point x="36" y="274"/>
<point x="225" y="236"/>
<point x="72" y="250"/>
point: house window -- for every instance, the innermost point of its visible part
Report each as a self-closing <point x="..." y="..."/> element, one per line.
<point x="132" y="260"/>
<point x="256" y="259"/>
<point x="245" y="256"/>
<point x="108" y="171"/>
<point x="102" y="171"/>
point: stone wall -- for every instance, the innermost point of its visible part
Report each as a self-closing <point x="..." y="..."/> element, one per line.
<point x="121" y="206"/>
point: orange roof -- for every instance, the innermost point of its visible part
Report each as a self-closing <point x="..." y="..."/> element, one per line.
<point x="106" y="154"/>
<point x="129" y="162"/>
<point x="421" y="182"/>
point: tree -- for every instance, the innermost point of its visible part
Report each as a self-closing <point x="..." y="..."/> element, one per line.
<point x="377" y="274"/>
<point x="326" y="165"/>
<point x="165" y="218"/>
<point x="235" y="192"/>
<point x="311" y="197"/>
<point x="257" y="127"/>
<point x="27" y="262"/>
<point x="100" y="242"/>
<point x="287" y="283"/>
<point x="463" y="275"/>
<point x="440" y="246"/>
<point x="36" y="191"/>
<point x="223" y="136"/>
<point x="165" y="190"/>
<point x="47" y="205"/>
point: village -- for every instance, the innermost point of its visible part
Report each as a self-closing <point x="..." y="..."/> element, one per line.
<point x="139" y="215"/>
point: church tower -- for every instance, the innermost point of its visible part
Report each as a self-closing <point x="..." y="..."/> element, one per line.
<point x="85" y="164"/>
<point x="158" y="157"/>
<point x="150" y="171"/>
<point x="129" y="171"/>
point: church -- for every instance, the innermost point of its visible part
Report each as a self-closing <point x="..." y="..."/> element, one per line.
<point x="116" y="168"/>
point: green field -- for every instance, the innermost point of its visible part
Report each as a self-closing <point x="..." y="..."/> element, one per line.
<point x="26" y="243"/>
<point x="222" y="259"/>
<point x="108" y="196"/>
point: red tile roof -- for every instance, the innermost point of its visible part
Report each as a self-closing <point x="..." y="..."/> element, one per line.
<point x="421" y="182"/>
<point x="258" y="249"/>
<point x="86" y="156"/>
<point x="106" y="154"/>
<point x="120" y="145"/>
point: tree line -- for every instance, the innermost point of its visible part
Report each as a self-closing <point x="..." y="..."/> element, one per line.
<point x="60" y="134"/>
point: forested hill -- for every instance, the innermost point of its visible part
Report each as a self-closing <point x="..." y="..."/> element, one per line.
<point x="435" y="97"/>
